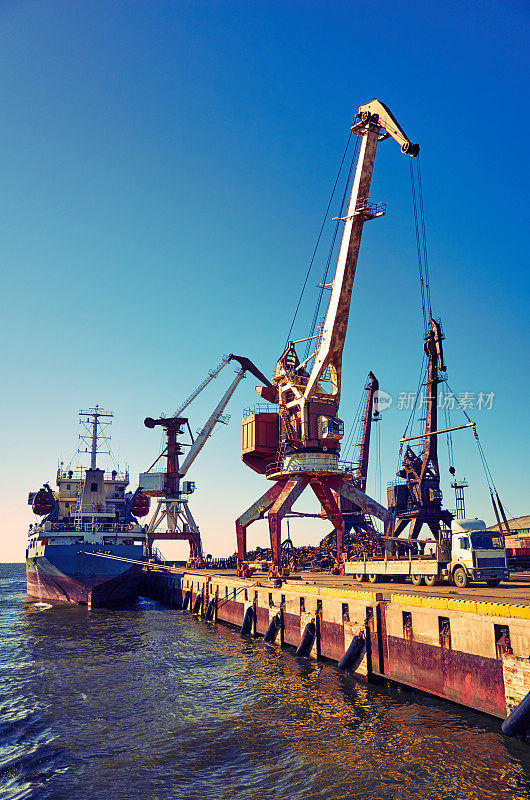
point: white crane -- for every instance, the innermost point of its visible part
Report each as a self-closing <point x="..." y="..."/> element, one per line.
<point x="168" y="487"/>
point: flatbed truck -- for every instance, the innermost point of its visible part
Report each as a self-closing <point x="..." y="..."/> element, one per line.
<point x="471" y="553"/>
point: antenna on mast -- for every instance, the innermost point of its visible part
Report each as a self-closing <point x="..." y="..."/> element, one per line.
<point x="93" y="433"/>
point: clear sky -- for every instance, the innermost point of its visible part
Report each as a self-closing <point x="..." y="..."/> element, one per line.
<point x="164" y="170"/>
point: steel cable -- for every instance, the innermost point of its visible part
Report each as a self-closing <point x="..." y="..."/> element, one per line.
<point x="314" y="323"/>
<point x="318" y="241"/>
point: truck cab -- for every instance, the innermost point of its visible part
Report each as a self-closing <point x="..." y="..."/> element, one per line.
<point x="477" y="554"/>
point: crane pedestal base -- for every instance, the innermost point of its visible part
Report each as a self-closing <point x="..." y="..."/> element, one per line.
<point x="280" y="498"/>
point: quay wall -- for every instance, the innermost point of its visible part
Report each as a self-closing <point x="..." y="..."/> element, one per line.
<point x="472" y="653"/>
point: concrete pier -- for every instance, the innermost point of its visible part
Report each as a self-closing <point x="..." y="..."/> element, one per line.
<point x="471" y="652"/>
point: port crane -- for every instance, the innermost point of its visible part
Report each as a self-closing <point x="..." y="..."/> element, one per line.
<point x="359" y="531"/>
<point x="169" y="487"/>
<point x="305" y="451"/>
<point x="417" y="500"/>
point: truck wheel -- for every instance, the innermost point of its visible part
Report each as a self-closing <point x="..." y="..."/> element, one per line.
<point x="359" y="576"/>
<point x="417" y="580"/>
<point x="373" y="578"/>
<point x="460" y="578"/>
<point x="431" y="580"/>
<point x="494" y="582"/>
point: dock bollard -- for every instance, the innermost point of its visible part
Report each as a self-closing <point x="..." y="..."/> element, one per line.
<point x="517" y="724"/>
<point x="308" y="639"/>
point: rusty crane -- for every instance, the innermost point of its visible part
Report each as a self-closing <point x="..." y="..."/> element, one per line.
<point x="298" y="445"/>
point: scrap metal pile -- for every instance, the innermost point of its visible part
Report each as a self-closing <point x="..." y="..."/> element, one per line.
<point x="369" y="543"/>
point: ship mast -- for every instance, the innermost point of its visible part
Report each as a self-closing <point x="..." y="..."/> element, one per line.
<point x="90" y="419"/>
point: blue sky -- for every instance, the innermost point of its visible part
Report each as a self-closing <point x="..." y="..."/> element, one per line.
<point x="164" y="171"/>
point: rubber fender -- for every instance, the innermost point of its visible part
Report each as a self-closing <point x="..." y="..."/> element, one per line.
<point x="308" y="639"/>
<point x="187" y="598"/>
<point x="272" y="630"/>
<point x="197" y="605"/>
<point x="517" y="724"/>
<point x="210" y="611"/>
<point x="352" y="652"/>
<point x="246" y="628"/>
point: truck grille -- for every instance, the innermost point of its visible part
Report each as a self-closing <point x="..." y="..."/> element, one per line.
<point x="490" y="562"/>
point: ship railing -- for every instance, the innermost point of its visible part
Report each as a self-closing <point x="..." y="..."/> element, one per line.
<point x="260" y="408"/>
<point x="78" y="474"/>
<point x="311" y="465"/>
<point x="88" y="527"/>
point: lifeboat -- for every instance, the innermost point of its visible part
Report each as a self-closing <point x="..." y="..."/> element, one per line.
<point x="42" y="503"/>
<point x="141" y="504"/>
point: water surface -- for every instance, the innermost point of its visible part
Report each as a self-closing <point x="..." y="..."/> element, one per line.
<point x="147" y="702"/>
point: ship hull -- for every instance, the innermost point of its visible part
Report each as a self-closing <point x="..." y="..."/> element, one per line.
<point x="64" y="573"/>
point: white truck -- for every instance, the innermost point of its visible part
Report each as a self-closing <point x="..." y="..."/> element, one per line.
<point x="470" y="554"/>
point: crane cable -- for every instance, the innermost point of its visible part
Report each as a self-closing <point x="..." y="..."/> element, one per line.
<point x="324" y="278"/>
<point x="424" y="279"/>
<point x="425" y="289"/>
<point x="318" y="240"/>
<point x="449" y="436"/>
<point x="421" y="240"/>
<point x="495" y="500"/>
<point x="354" y="431"/>
<point x="412" y="415"/>
<point x="378" y="474"/>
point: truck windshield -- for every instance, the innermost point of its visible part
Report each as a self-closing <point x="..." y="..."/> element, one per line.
<point x="486" y="541"/>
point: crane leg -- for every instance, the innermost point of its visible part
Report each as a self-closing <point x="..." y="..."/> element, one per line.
<point x="290" y="491"/>
<point x="415" y="528"/>
<point x="329" y="504"/>
<point x="255" y="512"/>
<point x="367" y="504"/>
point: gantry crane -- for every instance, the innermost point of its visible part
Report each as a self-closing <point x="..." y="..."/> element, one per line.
<point x="168" y="487"/>
<point x="309" y="431"/>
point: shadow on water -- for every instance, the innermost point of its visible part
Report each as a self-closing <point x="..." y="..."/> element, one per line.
<point x="148" y="702"/>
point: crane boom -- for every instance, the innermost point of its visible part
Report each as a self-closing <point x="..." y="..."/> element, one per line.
<point x="364" y="450"/>
<point x="215" y="417"/>
<point x="211" y="375"/>
<point x="212" y="421"/>
<point x="374" y="117"/>
<point x="381" y="113"/>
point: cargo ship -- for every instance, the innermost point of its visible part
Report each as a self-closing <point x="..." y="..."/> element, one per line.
<point x="88" y="545"/>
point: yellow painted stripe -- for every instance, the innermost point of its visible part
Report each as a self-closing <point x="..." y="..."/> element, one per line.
<point x="299" y="589"/>
<point x="330" y="591"/>
<point x="469" y="606"/>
